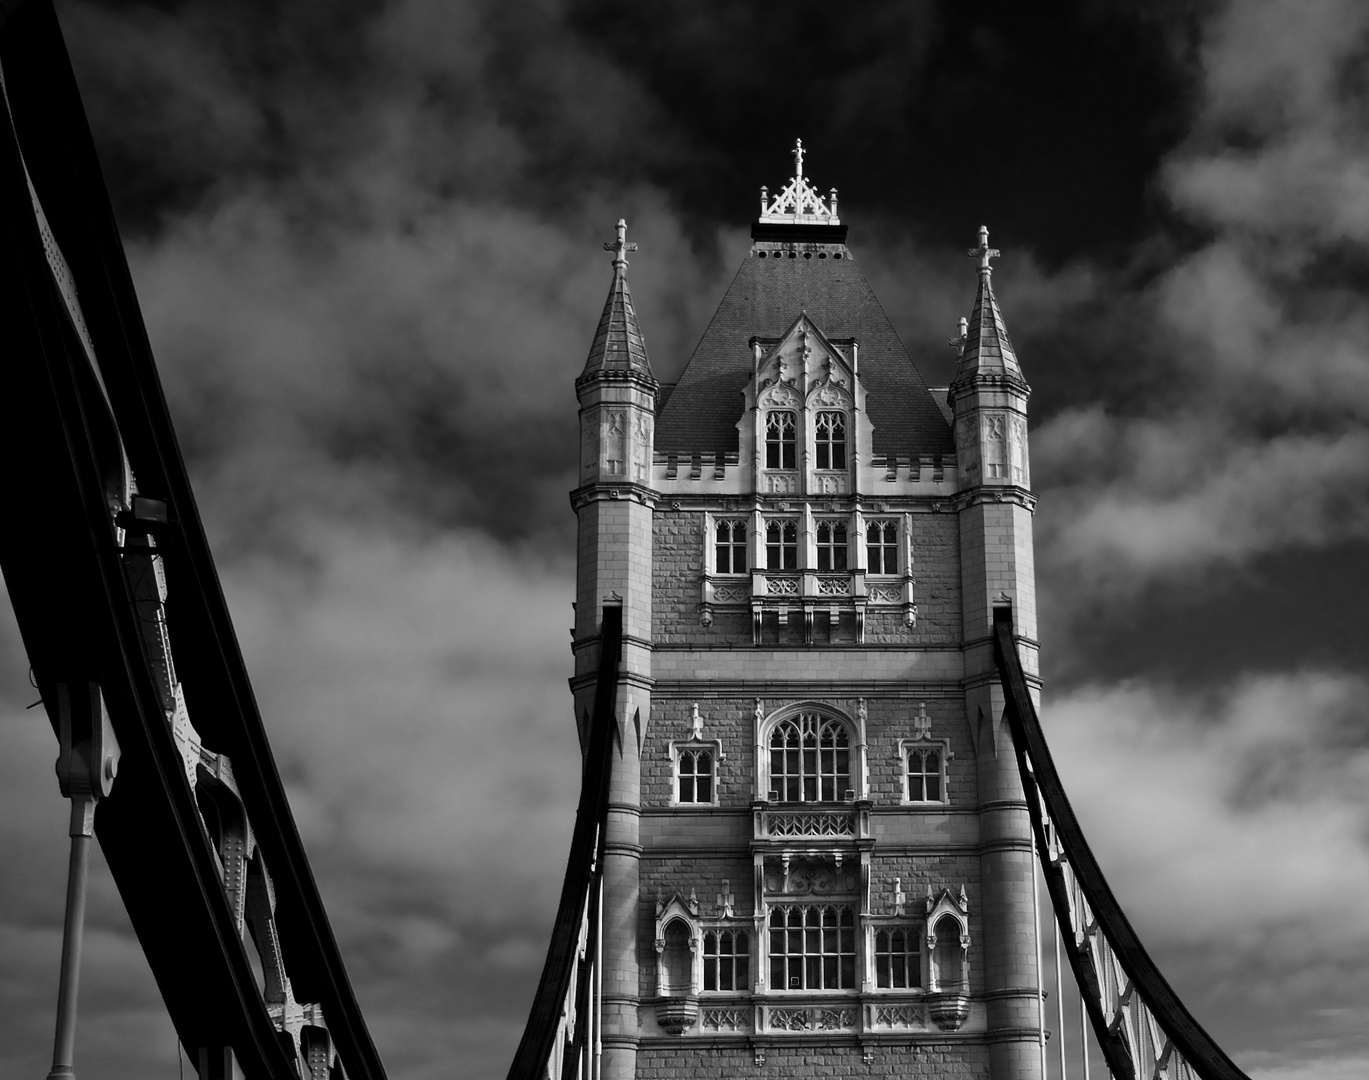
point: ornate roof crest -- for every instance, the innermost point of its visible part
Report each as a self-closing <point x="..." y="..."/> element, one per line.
<point x="798" y="203"/>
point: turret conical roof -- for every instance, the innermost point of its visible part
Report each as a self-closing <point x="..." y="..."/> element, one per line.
<point x="986" y="348"/>
<point x="618" y="344"/>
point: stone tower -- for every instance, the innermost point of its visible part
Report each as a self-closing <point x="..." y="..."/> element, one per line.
<point x="818" y="853"/>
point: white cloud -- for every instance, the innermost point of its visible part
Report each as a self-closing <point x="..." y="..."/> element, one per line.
<point x="1231" y="822"/>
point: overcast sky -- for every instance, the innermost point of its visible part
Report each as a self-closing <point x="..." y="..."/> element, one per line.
<point x="367" y="241"/>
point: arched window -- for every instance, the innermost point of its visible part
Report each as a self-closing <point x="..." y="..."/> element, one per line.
<point x="727" y="960"/>
<point x="831" y="545"/>
<point x="781" y="544"/>
<point x="730" y="547"/>
<point x="830" y="431"/>
<point x="694" y="769"/>
<point x="676" y="963"/>
<point x="810" y="759"/>
<point x="780" y="431"/>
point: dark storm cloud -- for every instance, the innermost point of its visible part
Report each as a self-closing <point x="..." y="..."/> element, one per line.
<point x="367" y="242"/>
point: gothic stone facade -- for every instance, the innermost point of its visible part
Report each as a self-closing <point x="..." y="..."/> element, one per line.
<point x="818" y="855"/>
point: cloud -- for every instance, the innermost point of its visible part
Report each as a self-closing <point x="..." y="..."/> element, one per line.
<point x="366" y="237"/>
<point x="1256" y="441"/>
<point x="1233" y="825"/>
<point x="1173" y="498"/>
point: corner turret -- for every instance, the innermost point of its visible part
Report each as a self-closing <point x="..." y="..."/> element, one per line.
<point x="989" y="395"/>
<point x="995" y="504"/>
<point x="613" y="505"/>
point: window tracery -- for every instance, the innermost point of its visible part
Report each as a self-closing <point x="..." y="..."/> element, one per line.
<point x="832" y="547"/>
<point x="694" y="776"/>
<point x="923" y="774"/>
<point x="729" y="546"/>
<point x="781" y="439"/>
<point x="781" y="544"/>
<point x="830" y="440"/>
<point x="810" y="758"/>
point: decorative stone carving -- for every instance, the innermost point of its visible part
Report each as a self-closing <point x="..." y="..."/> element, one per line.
<point x="922" y="723"/>
<point x="727" y="1019"/>
<point x="948" y="1011"/>
<point x="831" y="394"/>
<point x="676" y="1015"/>
<point x="780" y="395"/>
<point x="899" y="1016"/>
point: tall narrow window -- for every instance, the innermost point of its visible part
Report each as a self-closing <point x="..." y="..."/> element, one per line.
<point x="694" y="776"/>
<point x="831" y="545"/>
<point x="727" y="960"/>
<point x="812" y="947"/>
<point x="779" y="440"/>
<point x="924" y="776"/>
<point x="881" y="547"/>
<point x="810" y="759"/>
<point x="730" y="547"/>
<point x="898" y="958"/>
<point x="831" y="440"/>
<point x="781" y="545"/>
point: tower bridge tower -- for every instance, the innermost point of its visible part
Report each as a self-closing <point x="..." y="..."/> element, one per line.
<point x="817" y="850"/>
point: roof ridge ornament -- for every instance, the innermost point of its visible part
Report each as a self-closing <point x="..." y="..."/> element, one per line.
<point x="983" y="252"/>
<point x="620" y="247"/>
<point x="798" y="203"/>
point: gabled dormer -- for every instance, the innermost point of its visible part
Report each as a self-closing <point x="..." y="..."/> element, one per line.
<point x="804" y="429"/>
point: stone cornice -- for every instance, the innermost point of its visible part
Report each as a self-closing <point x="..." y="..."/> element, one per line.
<point x="618" y="375"/>
<point x="987" y="380"/>
<point x="603" y="491"/>
<point x="1008" y="493"/>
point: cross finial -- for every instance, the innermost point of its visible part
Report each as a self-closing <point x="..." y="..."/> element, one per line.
<point x="983" y="252"/>
<point x="620" y="247"/>
<point x="798" y="157"/>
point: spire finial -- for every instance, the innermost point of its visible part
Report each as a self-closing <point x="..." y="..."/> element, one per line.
<point x="983" y="252"/>
<point x="620" y="247"/>
<point x="798" y="203"/>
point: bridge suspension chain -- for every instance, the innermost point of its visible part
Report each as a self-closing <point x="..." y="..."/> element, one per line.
<point x="199" y="822"/>
<point x="1142" y="1027"/>
<point x="562" y="1038"/>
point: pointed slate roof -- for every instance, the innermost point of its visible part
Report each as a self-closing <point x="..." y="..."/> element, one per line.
<point x="793" y="268"/>
<point x="986" y="349"/>
<point x="618" y="344"/>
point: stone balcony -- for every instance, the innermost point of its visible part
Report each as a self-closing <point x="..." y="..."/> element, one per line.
<point x="802" y="594"/>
